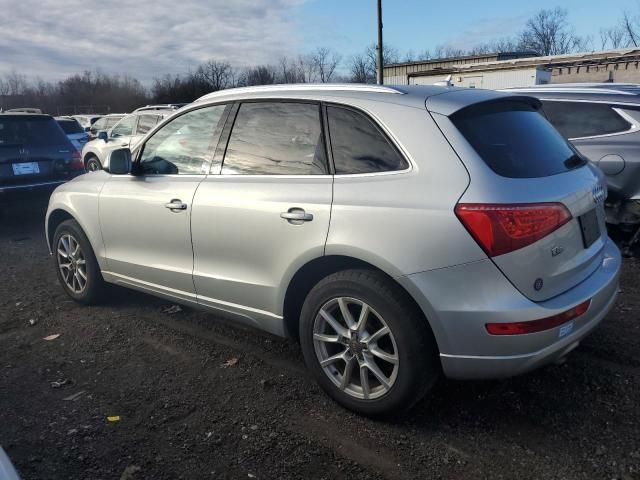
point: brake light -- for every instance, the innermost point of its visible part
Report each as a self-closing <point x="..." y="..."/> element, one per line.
<point x="500" y="228"/>
<point x="76" y="160"/>
<point x="520" y="328"/>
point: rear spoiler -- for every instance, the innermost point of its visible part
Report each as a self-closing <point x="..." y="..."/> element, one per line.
<point x="454" y="101"/>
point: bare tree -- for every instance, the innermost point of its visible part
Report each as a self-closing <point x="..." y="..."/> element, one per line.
<point x="613" y="37"/>
<point x="629" y="26"/>
<point x="549" y="33"/>
<point x="260" y="75"/>
<point x="359" y="69"/>
<point x="16" y="82"/>
<point x="218" y="75"/>
<point x="325" y="62"/>
<point x="307" y="69"/>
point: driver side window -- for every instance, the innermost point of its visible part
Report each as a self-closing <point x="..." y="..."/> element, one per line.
<point x="182" y="146"/>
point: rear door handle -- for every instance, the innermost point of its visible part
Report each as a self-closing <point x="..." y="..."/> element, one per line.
<point x="296" y="216"/>
<point x="176" y="204"/>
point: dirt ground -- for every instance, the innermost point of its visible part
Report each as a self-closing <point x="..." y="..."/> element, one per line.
<point x="188" y="411"/>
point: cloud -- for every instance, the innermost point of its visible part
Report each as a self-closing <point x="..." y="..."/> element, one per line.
<point x="487" y="30"/>
<point x="144" y="38"/>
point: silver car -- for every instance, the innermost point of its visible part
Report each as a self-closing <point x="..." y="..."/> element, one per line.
<point x="127" y="132"/>
<point x="398" y="232"/>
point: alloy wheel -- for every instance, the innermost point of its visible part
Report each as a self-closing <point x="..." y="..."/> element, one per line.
<point x="356" y="348"/>
<point x="72" y="263"/>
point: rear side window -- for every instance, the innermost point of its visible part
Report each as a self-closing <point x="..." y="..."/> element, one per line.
<point x="31" y="131"/>
<point x="579" y="119"/>
<point x="276" y="138"/>
<point x="111" y="121"/>
<point x="70" y="126"/>
<point x="358" y="146"/>
<point x="515" y="140"/>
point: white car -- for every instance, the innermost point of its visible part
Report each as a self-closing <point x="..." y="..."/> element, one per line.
<point x="124" y="134"/>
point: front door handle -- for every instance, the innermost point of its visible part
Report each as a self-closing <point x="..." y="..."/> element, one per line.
<point x="296" y="216"/>
<point x="175" y="205"/>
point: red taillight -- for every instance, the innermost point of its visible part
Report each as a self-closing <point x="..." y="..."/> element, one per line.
<point x="520" y="328"/>
<point x="76" y="160"/>
<point x="500" y="228"/>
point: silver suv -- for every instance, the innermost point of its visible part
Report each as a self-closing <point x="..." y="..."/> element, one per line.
<point x="397" y="232"/>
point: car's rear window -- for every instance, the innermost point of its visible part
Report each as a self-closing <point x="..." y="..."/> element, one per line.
<point x="70" y="126"/>
<point x="515" y="140"/>
<point x="30" y="131"/>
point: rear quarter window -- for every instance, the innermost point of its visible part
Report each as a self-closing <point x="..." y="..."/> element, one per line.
<point x="581" y="119"/>
<point x="515" y="140"/>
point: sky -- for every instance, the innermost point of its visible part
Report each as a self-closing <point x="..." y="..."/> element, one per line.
<point x="52" y="39"/>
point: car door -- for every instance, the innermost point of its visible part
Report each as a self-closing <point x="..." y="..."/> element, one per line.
<point x="145" y="217"/>
<point x="266" y="214"/>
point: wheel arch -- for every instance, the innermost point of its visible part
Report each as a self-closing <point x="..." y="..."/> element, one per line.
<point x="308" y="275"/>
<point x="55" y="218"/>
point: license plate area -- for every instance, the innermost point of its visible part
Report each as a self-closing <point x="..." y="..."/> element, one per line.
<point x="28" y="168"/>
<point x="590" y="227"/>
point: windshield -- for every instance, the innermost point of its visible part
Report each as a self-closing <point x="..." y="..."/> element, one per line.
<point x="515" y="140"/>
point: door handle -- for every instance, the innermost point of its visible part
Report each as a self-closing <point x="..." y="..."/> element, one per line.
<point x="176" y="204"/>
<point x="296" y="216"/>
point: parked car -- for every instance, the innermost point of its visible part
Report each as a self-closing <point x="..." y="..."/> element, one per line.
<point x="603" y="122"/>
<point x="163" y="106"/>
<point x="74" y="131"/>
<point x="35" y="154"/>
<point x="126" y="133"/>
<point x="87" y="120"/>
<point x="397" y="232"/>
<point x="7" y="471"/>
<point x="104" y="123"/>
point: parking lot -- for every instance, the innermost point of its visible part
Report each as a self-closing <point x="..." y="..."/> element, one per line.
<point x="199" y="398"/>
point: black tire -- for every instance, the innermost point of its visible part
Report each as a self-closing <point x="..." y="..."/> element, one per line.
<point x="417" y="352"/>
<point x="92" y="164"/>
<point x="94" y="286"/>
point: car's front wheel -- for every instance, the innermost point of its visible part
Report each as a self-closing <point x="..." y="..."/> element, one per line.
<point x="76" y="264"/>
<point x="93" y="164"/>
<point x="367" y="344"/>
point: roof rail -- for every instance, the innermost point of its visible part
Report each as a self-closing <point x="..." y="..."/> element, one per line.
<point x="302" y="87"/>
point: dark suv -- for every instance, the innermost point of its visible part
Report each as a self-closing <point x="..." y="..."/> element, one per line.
<point x="35" y="154"/>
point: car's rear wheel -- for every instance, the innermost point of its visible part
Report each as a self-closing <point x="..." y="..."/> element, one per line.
<point x="367" y="344"/>
<point x="76" y="264"/>
<point x="92" y="164"/>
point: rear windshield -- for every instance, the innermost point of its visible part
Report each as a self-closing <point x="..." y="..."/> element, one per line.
<point x="70" y="126"/>
<point x="515" y="140"/>
<point x="30" y="131"/>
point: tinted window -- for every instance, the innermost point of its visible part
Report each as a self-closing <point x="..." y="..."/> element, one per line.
<point x="579" y="119"/>
<point x="515" y="140"/>
<point x="276" y="139"/>
<point x="183" y="145"/>
<point x="70" y="126"/>
<point x="146" y="123"/>
<point x="359" y="146"/>
<point x="124" y="127"/>
<point x="31" y="131"/>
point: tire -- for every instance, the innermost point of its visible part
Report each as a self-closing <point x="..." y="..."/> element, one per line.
<point x="410" y="343"/>
<point x="88" y="288"/>
<point x="92" y="164"/>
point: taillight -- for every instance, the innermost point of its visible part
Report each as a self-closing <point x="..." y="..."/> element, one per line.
<point x="533" y="326"/>
<point x="76" y="160"/>
<point x="501" y="228"/>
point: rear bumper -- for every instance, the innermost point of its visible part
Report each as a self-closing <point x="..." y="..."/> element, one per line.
<point x="459" y="301"/>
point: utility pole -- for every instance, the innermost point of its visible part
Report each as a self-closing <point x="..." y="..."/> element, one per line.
<point x="380" y="56"/>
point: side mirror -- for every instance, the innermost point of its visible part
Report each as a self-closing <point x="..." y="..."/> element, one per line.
<point x="87" y="129"/>
<point x="102" y="135"/>
<point x="119" y="161"/>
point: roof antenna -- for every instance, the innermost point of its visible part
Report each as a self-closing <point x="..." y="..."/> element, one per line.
<point x="445" y="83"/>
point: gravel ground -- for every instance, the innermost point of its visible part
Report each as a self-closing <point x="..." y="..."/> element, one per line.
<point x="198" y="397"/>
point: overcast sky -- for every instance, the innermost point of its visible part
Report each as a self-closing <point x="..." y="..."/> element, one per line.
<point x="149" y="38"/>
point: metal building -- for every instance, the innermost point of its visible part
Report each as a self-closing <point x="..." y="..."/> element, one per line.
<point x="520" y="69"/>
